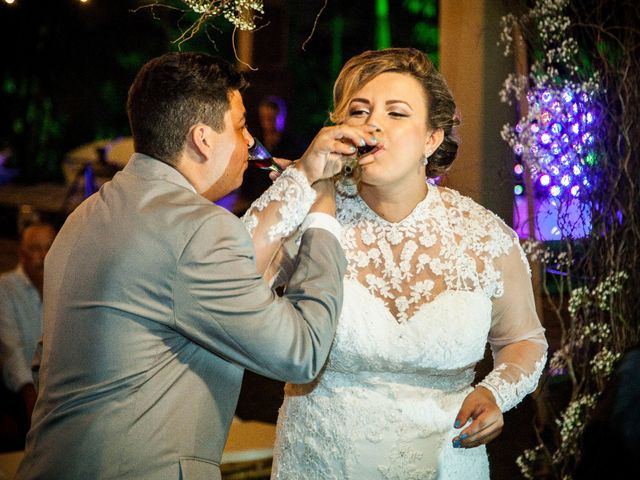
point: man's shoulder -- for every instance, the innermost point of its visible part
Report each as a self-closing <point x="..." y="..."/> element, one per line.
<point x="222" y="224"/>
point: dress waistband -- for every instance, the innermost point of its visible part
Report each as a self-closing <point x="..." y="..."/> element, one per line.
<point x="443" y="380"/>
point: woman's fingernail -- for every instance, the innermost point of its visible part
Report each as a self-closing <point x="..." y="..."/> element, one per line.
<point x="374" y="139"/>
<point x="362" y="142"/>
<point x="456" y="444"/>
<point x="457" y="424"/>
<point x="353" y="149"/>
<point x="463" y="436"/>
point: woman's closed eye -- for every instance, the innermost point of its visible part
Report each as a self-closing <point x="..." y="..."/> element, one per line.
<point x="358" y="112"/>
<point x="398" y="114"/>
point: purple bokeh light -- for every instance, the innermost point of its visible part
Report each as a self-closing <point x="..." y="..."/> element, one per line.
<point x="557" y="142"/>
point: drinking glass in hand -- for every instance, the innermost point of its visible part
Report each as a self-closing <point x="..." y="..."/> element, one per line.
<point x="260" y="157"/>
<point x="347" y="181"/>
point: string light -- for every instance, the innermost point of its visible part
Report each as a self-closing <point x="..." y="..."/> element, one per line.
<point x="557" y="139"/>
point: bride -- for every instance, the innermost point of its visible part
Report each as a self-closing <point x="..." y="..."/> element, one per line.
<point x="432" y="276"/>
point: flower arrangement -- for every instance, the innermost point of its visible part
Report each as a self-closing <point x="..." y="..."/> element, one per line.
<point x="576" y="139"/>
<point x="240" y="13"/>
<point x="557" y="136"/>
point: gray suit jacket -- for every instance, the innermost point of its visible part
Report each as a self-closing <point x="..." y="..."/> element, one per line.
<point x="152" y="309"/>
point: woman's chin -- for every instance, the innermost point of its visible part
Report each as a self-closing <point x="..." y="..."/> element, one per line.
<point x="373" y="180"/>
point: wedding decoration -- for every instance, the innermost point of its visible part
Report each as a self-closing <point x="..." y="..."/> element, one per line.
<point x="557" y="137"/>
<point x="576" y="142"/>
<point x="240" y="13"/>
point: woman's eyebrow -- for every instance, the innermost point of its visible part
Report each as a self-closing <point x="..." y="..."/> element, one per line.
<point x="388" y="102"/>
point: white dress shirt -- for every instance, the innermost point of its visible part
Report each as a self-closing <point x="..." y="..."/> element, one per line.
<point x="20" y="327"/>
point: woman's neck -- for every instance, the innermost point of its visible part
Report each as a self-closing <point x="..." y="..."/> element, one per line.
<point x="393" y="203"/>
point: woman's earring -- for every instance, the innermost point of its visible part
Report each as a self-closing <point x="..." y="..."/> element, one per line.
<point x="425" y="158"/>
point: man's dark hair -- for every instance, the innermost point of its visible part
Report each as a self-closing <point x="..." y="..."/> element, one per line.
<point x="172" y="93"/>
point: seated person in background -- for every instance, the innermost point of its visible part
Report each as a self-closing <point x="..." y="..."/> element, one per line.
<point x="271" y="131"/>
<point x="272" y="115"/>
<point x="21" y="313"/>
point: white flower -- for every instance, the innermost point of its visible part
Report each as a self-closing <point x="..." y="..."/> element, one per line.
<point x="374" y="255"/>
<point x="395" y="236"/>
<point x="402" y="303"/>
<point x="421" y="289"/>
<point x="361" y="259"/>
<point x="427" y="239"/>
<point x="367" y="236"/>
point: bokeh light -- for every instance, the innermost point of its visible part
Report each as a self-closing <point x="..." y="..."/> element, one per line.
<point x="557" y="140"/>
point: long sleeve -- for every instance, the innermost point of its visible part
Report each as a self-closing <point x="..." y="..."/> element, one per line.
<point x="223" y="304"/>
<point x="16" y="371"/>
<point x="276" y="215"/>
<point x="516" y="336"/>
<point x="20" y="324"/>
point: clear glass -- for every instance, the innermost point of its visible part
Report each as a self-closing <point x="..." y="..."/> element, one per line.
<point x="347" y="181"/>
<point x="260" y="157"/>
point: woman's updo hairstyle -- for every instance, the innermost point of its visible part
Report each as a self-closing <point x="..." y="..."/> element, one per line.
<point x="440" y="104"/>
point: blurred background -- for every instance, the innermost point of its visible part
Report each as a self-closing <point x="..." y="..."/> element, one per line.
<point x="67" y="64"/>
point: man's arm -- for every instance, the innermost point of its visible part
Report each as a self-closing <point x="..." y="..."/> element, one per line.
<point x="223" y="304"/>
<point x="16" y="372"/>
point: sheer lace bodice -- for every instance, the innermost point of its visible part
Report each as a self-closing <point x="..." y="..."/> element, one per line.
<point x="422" y="298"/>
<point x="447" y="243"/>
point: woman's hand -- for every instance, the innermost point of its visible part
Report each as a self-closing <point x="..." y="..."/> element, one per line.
<point x="480" y="405"/>
<point x="323" y="157"/>
<point x="326" y="197"/>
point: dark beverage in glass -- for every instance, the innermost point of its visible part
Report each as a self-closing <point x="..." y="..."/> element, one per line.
<point x="260" y="157"/>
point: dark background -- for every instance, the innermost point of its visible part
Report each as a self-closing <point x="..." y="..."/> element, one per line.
<point x="67" y="65"/>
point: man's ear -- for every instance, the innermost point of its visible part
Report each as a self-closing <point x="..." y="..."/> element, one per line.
<point x="199" y="140"/>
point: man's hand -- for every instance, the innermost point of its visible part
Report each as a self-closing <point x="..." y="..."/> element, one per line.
<point x="480" y="405"/>
<point x="323" y="157"/>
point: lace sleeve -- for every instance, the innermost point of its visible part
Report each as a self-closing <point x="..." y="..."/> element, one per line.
<point x="277" y="214"/>
<point x="516" y="337"/>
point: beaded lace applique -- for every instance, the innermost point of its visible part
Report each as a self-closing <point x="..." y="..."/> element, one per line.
<point x="448" y="242"/>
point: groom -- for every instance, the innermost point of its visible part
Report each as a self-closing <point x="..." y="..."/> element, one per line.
<point x="153" y="306"/>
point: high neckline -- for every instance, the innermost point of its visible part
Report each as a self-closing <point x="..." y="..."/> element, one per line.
<point x="420" y="207"/>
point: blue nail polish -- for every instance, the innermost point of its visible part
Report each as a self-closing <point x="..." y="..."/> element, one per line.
<point x="374" y="139"/>
<point x="362" y="142"/>
<point x="353" y="149"/>
<point x="457" y="424"/>
<point x="463" y="436"/>
<point x="456" y="444"/>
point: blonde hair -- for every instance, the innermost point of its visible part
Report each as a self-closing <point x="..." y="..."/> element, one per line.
<point x="441" y="107"/>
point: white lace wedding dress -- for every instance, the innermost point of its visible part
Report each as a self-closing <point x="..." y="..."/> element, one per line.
<point x="421" y="299"/>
